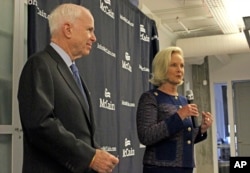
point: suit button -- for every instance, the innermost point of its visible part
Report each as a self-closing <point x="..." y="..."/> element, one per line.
<point x="189" y="129"/>
<point x="188" y="142"/>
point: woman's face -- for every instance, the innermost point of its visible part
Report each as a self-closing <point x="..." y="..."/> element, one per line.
<point x="175" y="71"/>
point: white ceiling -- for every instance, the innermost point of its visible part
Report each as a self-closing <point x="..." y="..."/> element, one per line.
<point x="195" y="18"/>
<point x="202" y="27"/>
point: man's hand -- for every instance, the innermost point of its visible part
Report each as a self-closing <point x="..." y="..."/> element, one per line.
<point x="103" y="162"/>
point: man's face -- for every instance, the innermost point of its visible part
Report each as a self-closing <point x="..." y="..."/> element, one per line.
<point x="83" y="36"/>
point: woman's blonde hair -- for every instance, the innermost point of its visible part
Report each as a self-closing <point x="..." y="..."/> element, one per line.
<point x="161" y="63"/>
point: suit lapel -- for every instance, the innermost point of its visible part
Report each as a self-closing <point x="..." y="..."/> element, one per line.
<point x="66" y="74"/>
<point x="89" y="101"/>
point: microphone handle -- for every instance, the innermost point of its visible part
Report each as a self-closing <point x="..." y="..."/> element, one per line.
<point x="195" y="121"/>
<point x="194" y="118"/>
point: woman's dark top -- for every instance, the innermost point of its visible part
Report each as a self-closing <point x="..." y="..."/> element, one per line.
<point x="169" y="140"/>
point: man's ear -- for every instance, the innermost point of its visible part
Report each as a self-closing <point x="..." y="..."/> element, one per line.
<point x="67" y="30"/>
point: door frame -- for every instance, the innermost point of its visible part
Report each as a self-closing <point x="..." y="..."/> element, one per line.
<point x="236" y="127"/>
<point x="19" y="53"/>
<point x="19" y="58"/>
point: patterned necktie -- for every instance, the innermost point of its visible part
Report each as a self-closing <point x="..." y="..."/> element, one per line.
<point x="76" y="75"/>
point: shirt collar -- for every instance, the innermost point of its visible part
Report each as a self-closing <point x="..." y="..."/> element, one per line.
<point x="62" y="53"/>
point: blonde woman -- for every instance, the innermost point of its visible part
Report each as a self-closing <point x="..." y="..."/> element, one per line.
<point x="164" y="118"/>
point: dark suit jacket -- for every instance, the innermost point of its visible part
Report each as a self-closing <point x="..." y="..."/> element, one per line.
<point x="58" y="128"/>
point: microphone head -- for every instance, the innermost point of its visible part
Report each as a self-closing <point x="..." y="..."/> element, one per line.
<point x="190" y="95"/>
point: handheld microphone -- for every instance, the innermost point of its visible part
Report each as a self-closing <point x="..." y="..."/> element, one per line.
<point x="190" y="99"/>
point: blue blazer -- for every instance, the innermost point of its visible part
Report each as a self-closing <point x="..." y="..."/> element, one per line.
<point x="58" y="127"/>
<point x="169" y="140"/>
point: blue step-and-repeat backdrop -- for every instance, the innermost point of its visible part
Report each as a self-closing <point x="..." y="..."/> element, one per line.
<point x="116" y="71"/>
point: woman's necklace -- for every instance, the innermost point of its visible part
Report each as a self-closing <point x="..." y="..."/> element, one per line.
<point x="173" y="97"/>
